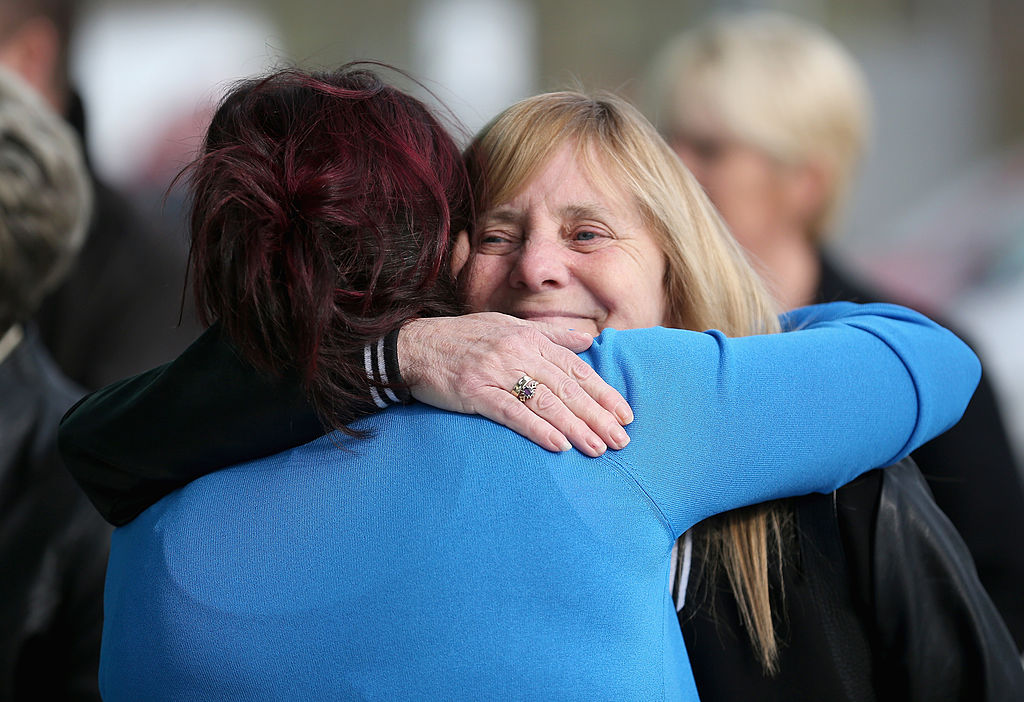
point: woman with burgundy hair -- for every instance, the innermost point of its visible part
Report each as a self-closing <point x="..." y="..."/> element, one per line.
<point x="365" y="564"/>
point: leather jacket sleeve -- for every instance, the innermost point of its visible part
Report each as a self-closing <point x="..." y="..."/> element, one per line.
<point x="939" y="635"/>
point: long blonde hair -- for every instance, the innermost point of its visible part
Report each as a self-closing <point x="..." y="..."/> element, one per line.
<point x="708" y="281"/>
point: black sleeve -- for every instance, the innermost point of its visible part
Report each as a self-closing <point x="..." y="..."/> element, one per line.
<point x="939" y="635"/>
<point x="133" y="442"/>
<point x="972" y="473"/>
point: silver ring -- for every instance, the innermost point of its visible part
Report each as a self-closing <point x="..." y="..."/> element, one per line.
<point x="524" y="388"/>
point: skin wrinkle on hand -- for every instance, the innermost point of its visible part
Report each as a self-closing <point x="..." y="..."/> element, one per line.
<point x="475" y="377"/>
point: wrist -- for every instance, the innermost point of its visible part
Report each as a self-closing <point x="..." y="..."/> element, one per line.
<point x="407" y="343"/>
<point x="387" y="386"/>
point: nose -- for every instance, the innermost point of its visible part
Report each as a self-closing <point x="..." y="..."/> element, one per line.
<point x="541" y="264"/>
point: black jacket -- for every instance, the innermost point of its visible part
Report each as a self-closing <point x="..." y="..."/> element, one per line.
<point x="116" y="312"/>
<point x="877" y="600"/>
<point x="973" y="475"/>
<point x="53" y="546"/>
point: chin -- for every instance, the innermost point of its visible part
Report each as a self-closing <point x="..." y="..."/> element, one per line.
<point x="582" y="324"/>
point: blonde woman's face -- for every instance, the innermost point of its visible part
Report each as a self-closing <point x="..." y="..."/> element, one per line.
<point x="565" y="251"/>
<point x="748" y="187"/>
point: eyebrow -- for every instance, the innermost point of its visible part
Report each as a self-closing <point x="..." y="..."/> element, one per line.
<point x="585" y="211"/>
<point x="507" y="215"/>
<point x="502" y="215"/>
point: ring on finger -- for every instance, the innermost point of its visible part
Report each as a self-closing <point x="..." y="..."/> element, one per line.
<point x="524" y="388"/>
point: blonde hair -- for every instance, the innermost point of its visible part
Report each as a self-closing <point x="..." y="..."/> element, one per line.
<point x="708" y="281"/>
<point x="775" y="82"/>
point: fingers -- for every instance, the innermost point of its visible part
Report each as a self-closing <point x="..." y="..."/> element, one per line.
<point x="471" y="363"/>
<point x="592" y="385"/>
<point x="549" y="407"/>
<point x="569" y="343"/>
<point x="545" y="420"/>
<point x="561" y="400"/>
<point x="571" y="339"/>
<point x="573" y="398"/>
<point x="502" y="407"/>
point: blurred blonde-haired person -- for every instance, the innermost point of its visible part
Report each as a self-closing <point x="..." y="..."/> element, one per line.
<point x="771" y="113"/>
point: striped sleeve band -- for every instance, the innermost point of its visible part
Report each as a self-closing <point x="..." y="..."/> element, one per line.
<point x="380" y="360"/>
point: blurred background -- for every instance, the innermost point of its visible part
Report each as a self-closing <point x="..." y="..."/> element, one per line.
<point x="938" y="212"/>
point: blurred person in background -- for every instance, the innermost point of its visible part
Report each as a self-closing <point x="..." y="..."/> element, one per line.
<point x="117" y="311"/>
<point x="53" y="545"/>
<point x="771" y="114"/>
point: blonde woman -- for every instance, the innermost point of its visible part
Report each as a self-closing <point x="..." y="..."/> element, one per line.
<point x="524" y="262"/>
<point x="772" y="115"/>
<point x="444" y="557"/>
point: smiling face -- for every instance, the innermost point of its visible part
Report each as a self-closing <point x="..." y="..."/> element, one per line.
<point x="569" y="251"/>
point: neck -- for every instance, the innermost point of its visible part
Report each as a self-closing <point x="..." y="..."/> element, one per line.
<point x="791" y="269"/>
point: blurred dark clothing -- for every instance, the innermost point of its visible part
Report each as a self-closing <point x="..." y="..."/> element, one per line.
<point x="116" y="313"/>
<point x="973" y="475"/>
<point x="881" y="603"/>
<point x="53" y="545"/>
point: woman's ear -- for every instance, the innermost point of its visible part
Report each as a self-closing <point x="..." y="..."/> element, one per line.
<point x="460" y="252"/>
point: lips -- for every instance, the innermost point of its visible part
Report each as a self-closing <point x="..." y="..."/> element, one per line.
<point x="561" y="318"/>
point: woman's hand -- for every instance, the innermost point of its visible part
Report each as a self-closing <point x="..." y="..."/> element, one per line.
<point x="470" y="363"/>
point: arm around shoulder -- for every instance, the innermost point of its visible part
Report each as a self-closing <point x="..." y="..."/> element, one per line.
<point x="755" y="418"/>
<point x="943" y="368"/>
<point x="134" y="441"/>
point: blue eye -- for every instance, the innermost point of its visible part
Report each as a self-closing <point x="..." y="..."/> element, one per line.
<point x="590" y="238"/>
<point x="495" y="242"/>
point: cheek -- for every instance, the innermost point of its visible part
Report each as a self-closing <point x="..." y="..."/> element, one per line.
<point x="654" y="306"/>
<point x="695" y="165"/>
<point x="634" y="291"/>
<point x="481" y="282"/>
<point x="730" y="184"/>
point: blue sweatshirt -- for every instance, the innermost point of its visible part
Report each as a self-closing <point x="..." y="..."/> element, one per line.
<point x="448" y="558"/>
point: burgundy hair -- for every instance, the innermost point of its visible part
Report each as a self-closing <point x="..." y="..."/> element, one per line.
<point x="323" y="208"/>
